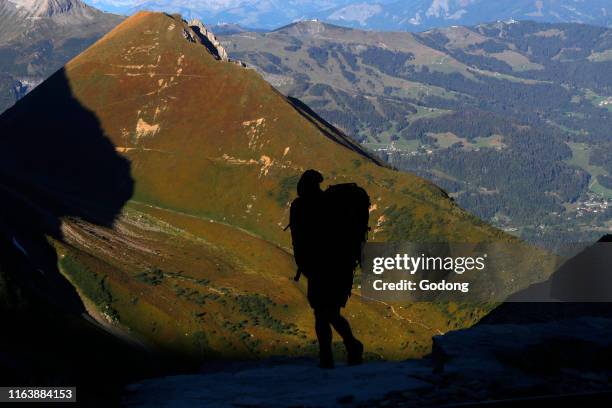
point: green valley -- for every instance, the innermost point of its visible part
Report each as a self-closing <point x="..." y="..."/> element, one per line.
<point x="490" y="112"/>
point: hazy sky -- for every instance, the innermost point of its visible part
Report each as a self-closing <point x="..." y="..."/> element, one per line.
<point x="373" y="14"/>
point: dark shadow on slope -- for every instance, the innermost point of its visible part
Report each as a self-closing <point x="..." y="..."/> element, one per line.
<point x="332" y="132"/>
<point x="530" y="352"/>
<point x="53" y="149"/>
<point x="43" y="344"/>
<point x="55" y="162"/>
<point x="581" y="287"/>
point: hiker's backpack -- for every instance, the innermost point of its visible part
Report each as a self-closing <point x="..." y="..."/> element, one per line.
<point x="348" y="212"/>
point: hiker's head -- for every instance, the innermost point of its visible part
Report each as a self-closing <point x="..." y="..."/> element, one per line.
<point x="310" y="183"/>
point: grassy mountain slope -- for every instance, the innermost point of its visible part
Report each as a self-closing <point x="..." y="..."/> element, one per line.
<point x="528" y="101"/>
<point x="165" y="175"/>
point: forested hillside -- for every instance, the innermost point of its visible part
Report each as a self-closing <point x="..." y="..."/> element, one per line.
<point x="512" y="119"/>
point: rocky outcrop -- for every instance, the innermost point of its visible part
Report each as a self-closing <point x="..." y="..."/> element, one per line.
<point x="583" y="278"/>
<point x="209" y="39"/>
<point x="188" y="36"/>
<point x="531" y="348"/>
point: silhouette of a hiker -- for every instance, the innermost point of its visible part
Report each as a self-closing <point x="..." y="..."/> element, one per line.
<point x="324" y="256"/>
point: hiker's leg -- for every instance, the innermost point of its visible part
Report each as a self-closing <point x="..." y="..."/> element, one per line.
<point x="354" y="348"/>
<point x="341" y="325"/>
<point x="324" y="336"/>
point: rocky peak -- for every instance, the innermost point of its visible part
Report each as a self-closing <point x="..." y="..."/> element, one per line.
<point x="50" y="8"/>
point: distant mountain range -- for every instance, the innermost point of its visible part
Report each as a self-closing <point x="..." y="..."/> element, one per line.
<point x="37" y="37"/>
<point x="386" y="15"/>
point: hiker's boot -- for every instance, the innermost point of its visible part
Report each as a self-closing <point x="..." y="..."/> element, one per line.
<point x="354" y="352"/>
